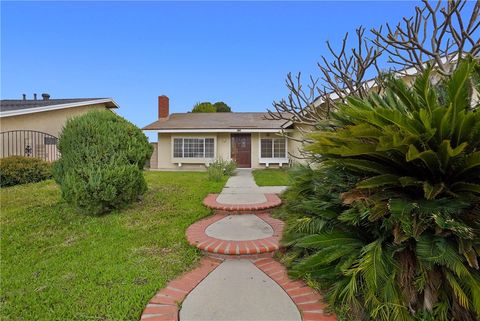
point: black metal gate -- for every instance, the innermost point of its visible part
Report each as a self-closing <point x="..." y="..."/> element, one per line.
<point x="29" y="143"/>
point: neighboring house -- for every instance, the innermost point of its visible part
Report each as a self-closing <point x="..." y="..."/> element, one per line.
<point x="31" y="127"/>
<point x="194" y="140"/>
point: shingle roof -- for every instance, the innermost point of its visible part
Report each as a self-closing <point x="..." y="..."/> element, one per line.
<point x="20" y="104"/>
<point x="216" y="121"/>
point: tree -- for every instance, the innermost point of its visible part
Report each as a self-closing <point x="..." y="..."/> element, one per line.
<point x="208" y="107"/>
<point x="437" y="35"/>
<point x="222" y="107"/>
<point x="205" y="107"/>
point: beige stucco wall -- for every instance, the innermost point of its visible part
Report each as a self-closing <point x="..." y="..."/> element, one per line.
<point x="224" y="146"/>
<point x="166" y="161"/>
<point x="163" y="154"/>
<point x="295" y="147"/>
<point x="50" y="122"/>
<point x="153" y="163"/>
<point x="255" y="145"/>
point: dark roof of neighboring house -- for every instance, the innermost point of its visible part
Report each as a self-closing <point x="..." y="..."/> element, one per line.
<point x="12" y="107"/>
<point x="246" y="120"/>
<point x="17" y="104"/>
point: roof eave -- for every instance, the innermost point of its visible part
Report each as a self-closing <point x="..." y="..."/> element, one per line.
<point x="109" y="103"/>
<point x="215" y="130"/>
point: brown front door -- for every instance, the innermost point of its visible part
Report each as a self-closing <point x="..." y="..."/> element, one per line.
<point x="241" y="150"/>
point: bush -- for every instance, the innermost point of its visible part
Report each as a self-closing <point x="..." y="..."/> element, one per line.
<point x="220" y="168"/>
<point x="102" y="161"/>
<point x="16" y="170"/>
<point x="389" y="223"/>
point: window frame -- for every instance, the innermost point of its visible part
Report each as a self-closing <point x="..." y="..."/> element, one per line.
<point x="273" y="159"/>
<point x="184" y="159"/>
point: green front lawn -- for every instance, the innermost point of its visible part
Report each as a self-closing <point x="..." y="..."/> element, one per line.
<point x="271" y="177"/>
<point x="59" y="265"/>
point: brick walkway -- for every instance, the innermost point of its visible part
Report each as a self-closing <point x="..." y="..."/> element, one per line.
<point x="308" y="304"/>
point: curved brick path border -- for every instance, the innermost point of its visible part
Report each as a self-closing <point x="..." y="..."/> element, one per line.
<point x="308" y="301"/>
<point x="197" y="237"/>
<point x="272" y="201"/>
<point x="164" y="306"/>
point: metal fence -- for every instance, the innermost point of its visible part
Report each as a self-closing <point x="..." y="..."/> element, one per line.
<point x="29" y="143"/>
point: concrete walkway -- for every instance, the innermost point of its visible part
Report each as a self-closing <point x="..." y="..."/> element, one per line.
<point x="242" y="189"/>
<point x="237" y="289"/>
<point x="238" y="279"/>
<point x="244" y="227"/>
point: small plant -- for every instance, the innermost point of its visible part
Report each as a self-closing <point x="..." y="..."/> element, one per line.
<point x="220" y="168"/>
<point x="215" y="173"/>
<point x="229" y="168"/>
<point x="16" y="170"/>
<point x="102" y="161"/>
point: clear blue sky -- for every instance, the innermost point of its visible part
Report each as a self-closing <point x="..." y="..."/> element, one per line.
<point x="235" y="52"/>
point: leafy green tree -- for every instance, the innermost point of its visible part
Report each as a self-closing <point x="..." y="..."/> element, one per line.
<point x="205" y="107"/>
<point x="222" y="107"/>
<point x="208" y="107"/>
<point x="103" y="156"/>
<point x="389" y="222"/>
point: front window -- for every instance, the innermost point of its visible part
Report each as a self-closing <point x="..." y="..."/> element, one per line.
<point x="273" y="148"/>
<point x="193" y="148"/>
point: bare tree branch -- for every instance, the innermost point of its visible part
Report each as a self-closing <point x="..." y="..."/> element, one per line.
<point x="452" y="36"/>
<point x="437" y="35"/>
<point x="341" y="76"/>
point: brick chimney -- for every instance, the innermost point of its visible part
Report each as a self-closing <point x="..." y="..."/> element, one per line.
<point x="163" y="106"/>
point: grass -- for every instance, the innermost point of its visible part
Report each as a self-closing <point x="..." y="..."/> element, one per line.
<point x="59" y="265"/>
<point x="271" y="177"/>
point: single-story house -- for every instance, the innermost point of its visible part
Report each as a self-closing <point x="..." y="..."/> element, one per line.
<point x="195" y="140"/>
<point x="30" y="127"/>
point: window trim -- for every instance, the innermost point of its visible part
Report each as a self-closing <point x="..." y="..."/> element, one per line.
<point x="192" y="159"/>
<point x="272" y="160"/>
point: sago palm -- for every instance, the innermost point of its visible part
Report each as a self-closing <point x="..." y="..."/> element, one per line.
<point x="401" y="241"/>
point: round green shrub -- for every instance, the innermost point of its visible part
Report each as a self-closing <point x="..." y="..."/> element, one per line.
<point x="103" y="156"/>
<point x="16" y="170"/>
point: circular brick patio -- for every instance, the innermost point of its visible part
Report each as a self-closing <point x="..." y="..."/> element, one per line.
<point x="197" y="237"/>
<point x="272" y="201"/>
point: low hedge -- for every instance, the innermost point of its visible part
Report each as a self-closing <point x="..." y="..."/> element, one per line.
<point x="16" y="170"/>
